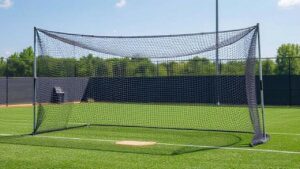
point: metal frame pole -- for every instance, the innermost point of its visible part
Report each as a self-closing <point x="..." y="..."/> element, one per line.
<point x="217" y="49"/>
<point x="34" y="81"/>
<point x="217" y="36"/>
<point x="261" y="83"/>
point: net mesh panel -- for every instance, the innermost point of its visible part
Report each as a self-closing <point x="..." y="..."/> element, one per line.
<point x="149" y="81"/>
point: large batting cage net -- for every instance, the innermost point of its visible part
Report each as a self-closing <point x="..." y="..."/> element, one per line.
<point x="162" y="82"/>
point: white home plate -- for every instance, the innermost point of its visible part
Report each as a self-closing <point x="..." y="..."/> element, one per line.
<point x="135" y="143"/>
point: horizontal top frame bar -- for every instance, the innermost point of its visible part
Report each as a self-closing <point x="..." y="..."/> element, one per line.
<point x="147" y="36"/>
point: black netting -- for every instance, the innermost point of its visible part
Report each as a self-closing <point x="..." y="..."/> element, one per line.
<point x="148" y="81"/>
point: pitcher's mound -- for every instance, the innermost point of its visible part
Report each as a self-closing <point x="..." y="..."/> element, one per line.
<point x="135" y="143"/>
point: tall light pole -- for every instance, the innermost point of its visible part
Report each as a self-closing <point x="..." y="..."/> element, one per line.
<point x="217" y="50"/>
<point x="217" y="33"/>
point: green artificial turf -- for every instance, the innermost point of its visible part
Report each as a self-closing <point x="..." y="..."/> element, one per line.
<point x="182" y="116"/>
<point x="94" y="146"/>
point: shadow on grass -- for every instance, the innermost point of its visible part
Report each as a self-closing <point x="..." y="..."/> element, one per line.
<point x="184" y="141"/>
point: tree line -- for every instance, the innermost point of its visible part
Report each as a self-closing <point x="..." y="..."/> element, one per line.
<point x="21" y="65"/>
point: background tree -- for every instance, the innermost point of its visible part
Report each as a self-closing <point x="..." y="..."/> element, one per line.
<point x="162" y="69"/>
<point x="284" y="64"/>
<point x="143" y="67"/>
<point x="21" y="64"/>
<point x="199" y="66"/>
<point x="119" y="66"/>
<point x="233" y="68"/>
<point x="268" y="67"/>
<point x="2" y="67"/>
<point x="86" y="66"/>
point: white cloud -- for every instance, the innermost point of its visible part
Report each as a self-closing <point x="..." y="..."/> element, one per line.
<point x="7" y="53"/>
<point x="121" y="3"/>
<point x="6" y="3"/>
<point x="288" y="3"/>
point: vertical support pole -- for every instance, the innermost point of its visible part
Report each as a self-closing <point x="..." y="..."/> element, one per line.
<point x="220" y="67"/>
<point x="75" y="69"/>
<point x="262" y="102"/>
<point x="6" y="75"/>
<point x="290" y="82"/>
<point x="217" y="51"/>
<point x="34" y="82"/>
<point x="217" y="37"/>
<point x="168" y="68"/>
<point x="157" y="69"/>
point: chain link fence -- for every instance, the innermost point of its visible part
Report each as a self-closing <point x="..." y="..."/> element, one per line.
<point x="281" y="76"/>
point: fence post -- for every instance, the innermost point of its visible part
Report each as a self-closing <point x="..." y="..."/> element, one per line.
<point x="75" y="69"/>
<point x="220" y="69"/>
<point x="6" y="75"/>
<point x="157" y="69"/>
<point x="290" y="81"/>
<point x="168" y="69"/>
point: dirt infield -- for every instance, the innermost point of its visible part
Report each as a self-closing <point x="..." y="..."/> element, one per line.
<point x="15" y="105"/>
<point x="30" y="104"/>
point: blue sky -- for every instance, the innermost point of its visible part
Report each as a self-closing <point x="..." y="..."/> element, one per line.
<point x="279" y="19"/>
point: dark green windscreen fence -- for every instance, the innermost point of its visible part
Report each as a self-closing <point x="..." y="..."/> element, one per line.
<point x="16" y="82"/>
<point x="167" y="82"/>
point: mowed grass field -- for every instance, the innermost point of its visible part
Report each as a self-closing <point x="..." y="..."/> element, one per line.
<point x="94" y="146"/>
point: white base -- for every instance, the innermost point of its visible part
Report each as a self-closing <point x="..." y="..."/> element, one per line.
<point x="135" y="143"/>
